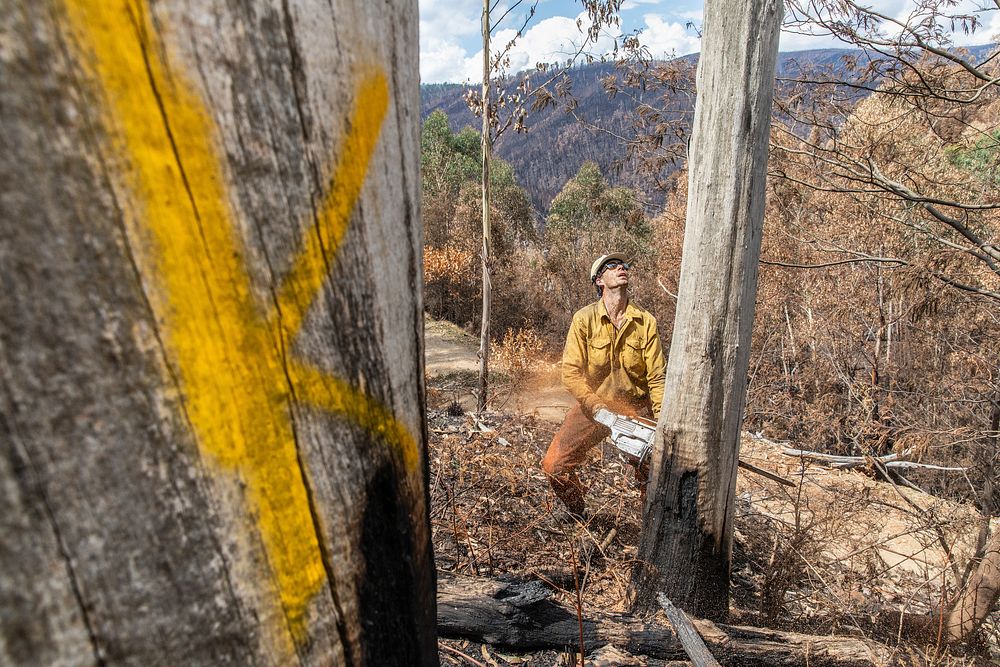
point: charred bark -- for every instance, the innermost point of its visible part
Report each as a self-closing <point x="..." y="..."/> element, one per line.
<point x="211" y="397"/>
<point x="523" y="616"/>
<point x="686" y="539"/>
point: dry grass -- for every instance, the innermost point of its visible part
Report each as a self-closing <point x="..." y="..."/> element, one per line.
<point x="493" y="512"/>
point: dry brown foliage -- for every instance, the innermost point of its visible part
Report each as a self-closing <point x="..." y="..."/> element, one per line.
<point x="517" y="353"/>
<point x="859" y="347"/>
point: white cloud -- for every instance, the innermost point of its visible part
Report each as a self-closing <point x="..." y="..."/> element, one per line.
<point x="553" y="39"/>
<point x="664" y="39"/>
<point x="904" y="11"/>
<point x="447" y="25"/>
<point x="439" y="18"/>
<point x="987" y="32"/>
<point x="441" y="60"/>
<point x="694" y="15"/>
<point x="632" y="4"/>
<point x="799" y="41"/>
<point x="442" y="25"/>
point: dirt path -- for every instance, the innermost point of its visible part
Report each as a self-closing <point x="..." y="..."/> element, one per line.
<point x="448" y="349"/>
<point x="452" y="371"/>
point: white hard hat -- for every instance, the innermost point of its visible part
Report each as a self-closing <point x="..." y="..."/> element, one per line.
<point x="595" y="268"/>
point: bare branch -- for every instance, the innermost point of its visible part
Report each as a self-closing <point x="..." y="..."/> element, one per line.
<point x="859" y="260"/>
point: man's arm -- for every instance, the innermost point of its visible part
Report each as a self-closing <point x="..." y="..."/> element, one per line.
<point x="655" y="367"/>
<point x="574" y="367"/>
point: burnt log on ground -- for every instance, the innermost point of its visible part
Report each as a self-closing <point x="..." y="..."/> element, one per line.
<point x="521" y="615"/>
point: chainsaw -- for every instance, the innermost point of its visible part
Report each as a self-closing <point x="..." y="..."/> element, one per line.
<point x="634" y="436"/>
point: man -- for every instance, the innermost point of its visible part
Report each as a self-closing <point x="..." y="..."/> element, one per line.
<point x="612" y="360"/>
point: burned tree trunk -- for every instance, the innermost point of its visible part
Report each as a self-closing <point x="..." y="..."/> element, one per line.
<point x="211" y="430"/>
<point x="687" y="533"/>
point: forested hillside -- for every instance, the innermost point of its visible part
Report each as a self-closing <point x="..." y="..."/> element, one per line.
<point x="553" y="133"/>
<point x="557" y="143"/>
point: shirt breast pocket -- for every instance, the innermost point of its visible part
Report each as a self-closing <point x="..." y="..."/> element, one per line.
<point x="599" y="356"/>
<point x="633" y="358"/>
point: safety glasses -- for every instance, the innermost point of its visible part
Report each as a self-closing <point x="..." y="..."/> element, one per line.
<point x="614" y="264"/>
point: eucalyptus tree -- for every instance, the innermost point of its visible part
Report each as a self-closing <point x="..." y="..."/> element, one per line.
<point x="211" y="405"/>
<point x="503" y="105"/>
<point x="686" y="542"/>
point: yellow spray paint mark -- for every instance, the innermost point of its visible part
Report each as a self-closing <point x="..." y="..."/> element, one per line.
<point x="226" y="347"/>
<point x="310" y="266"/>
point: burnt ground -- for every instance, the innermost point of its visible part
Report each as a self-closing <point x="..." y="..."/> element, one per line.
<point x="830" y="556"/>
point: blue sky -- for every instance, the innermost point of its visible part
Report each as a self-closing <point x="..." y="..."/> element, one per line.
<point x="451" y="50"/>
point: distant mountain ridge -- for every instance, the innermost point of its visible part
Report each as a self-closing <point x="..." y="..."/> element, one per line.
<point x="556" y="145"/>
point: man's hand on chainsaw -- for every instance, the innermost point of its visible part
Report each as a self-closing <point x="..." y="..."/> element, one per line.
<point x="603" y="416"/>
<point x="631" y="435"/>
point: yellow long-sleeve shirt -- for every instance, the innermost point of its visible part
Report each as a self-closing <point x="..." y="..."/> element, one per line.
<point x="602" y="365"/>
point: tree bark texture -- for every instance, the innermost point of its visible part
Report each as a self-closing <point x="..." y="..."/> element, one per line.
<point x="211" y="394"/>
<point x="522" y="616"/>
<point x="687" y="533"/>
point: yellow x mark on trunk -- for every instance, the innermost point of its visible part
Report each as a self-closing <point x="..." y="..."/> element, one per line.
<point x="227" y="349"/>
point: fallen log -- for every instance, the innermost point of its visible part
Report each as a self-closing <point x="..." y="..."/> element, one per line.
<point x="522" y="616"/>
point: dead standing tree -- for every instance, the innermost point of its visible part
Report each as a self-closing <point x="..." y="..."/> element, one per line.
<point x="211" y="430"/>
<point x="487" y="258"/>
<point x="686" y="539"/>
<point x="502" y="108"/>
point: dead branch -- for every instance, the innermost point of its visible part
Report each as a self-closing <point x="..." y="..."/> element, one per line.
<point x="848" y="462"/>
<point x="765" y="473"/>
<point x="692" y="642"/>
